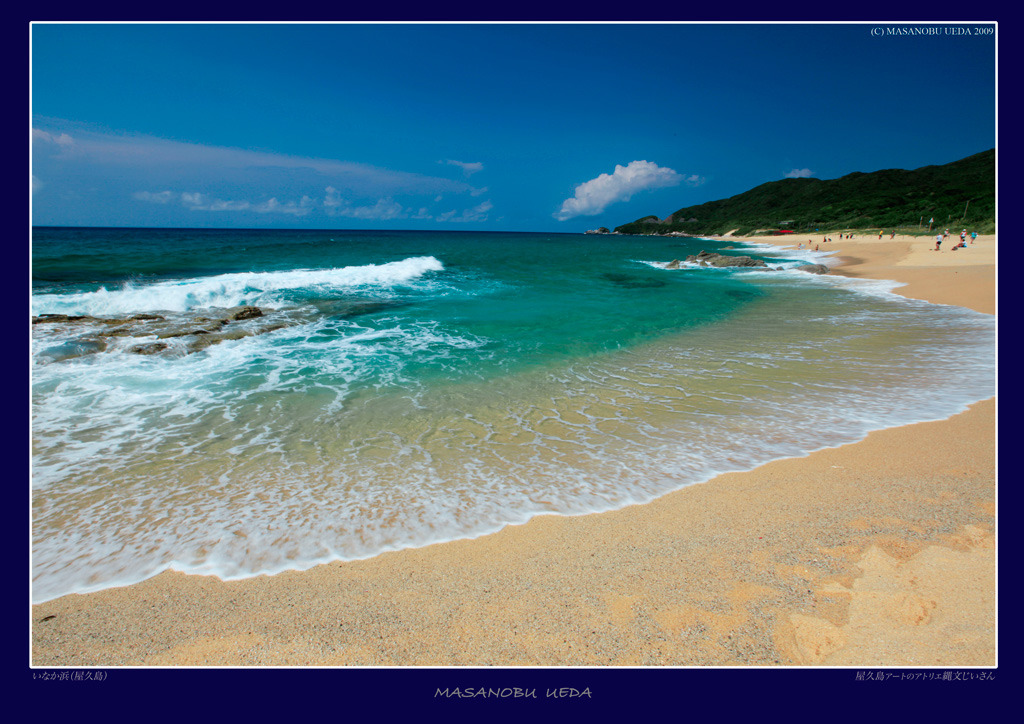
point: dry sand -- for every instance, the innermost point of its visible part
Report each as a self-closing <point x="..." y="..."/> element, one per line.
<point x="879" y="553"/>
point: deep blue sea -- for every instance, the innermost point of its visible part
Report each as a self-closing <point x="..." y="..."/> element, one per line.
<point x="402" y="388"/>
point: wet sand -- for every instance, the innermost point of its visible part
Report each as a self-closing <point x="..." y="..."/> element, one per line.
<point x="878" y="553"/>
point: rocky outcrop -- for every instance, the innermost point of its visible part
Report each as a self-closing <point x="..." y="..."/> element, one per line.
<point x="602" y="230"/>
<point x="174" y="333"/>
<point x="151" y="348"/>
<point x="239" y="313"/>
<point x="706" y="258"/>
<point x="54" y="318"/>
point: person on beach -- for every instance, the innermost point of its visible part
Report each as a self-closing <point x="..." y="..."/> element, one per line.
<point x="938" y="242"/>
<point x="974" y="235"/>
<point x="892" y="236"/>
<point x="880" y="234"/>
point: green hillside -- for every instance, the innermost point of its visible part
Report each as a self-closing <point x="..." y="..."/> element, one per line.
<point x="889" y="199"/>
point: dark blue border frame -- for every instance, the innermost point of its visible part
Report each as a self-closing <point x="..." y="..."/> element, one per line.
<point x="385" y="694"/>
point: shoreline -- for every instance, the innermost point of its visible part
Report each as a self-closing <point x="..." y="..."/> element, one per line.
<point x="871" y="541"/>
<point x="962" y="278"/>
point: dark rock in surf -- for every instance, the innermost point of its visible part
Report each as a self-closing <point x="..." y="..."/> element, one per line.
<point x="814" y="268"/>
<point x="47" y="318"/>
<point x="240" y="313"/>
<point x="705" y="258"/>
<point x="151" y="348"/>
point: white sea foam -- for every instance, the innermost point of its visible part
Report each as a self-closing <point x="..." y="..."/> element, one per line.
<point x="230" y="290"/>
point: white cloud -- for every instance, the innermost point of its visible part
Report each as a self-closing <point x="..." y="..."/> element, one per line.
<point x="384" y="209"/>
<point x="273" y="206"/>
<point x="158" y="157"/>
<point x="195" y="201"/>
<point x="592" y="197"/>
<point x="332" y="200"/>
<point x="477" y="213"/>
<point x="110" y="169"/>
<point x="160" y="197"/>
<point x="467" y="168"/>
<point x="61" y="140"/>
<point x="201" y="202"/>
<point x="800" y="173"/>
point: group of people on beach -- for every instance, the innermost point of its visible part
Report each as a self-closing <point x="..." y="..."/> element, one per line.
<point x="939" y="238"/>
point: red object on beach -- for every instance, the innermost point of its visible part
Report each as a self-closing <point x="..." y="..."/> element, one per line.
<point x="783" y="231"/>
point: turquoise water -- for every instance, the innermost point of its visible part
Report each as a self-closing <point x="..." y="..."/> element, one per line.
<point x="411" y="387"/>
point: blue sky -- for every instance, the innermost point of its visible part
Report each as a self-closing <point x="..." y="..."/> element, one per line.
<point x="534" y="127"/>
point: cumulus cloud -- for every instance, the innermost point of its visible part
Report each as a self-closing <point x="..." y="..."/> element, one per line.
<point x="273" y="206"/>
<point x="477" y="213"/>
<point x="800" y="173"/>
<point x="593" y="196"/>
<point x="201" y="202"/>
<point x="385" y="208"/>
<point x="196" y="201"/>
<point x="467" y="168"/>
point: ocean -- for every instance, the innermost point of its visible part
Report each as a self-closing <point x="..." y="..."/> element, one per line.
<point x="392" y="389"/>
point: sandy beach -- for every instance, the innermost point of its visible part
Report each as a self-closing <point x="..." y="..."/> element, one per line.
<point x="878" y="553"/>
